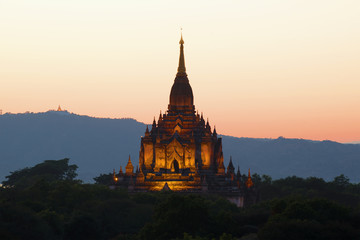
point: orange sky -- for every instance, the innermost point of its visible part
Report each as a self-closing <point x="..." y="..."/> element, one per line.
<point x="257" y="68"/>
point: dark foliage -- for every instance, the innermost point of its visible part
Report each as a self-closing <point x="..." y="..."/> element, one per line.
<point x="310" y="219"/>
<point x="47" y="203"/>
<point x="104" y="179"/>
<point x="49" y="171"/>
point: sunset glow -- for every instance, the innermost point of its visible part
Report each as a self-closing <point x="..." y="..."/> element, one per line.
<point x="257" y="68"/>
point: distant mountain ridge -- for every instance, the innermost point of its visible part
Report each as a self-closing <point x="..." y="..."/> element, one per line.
<point x="98" y="145"/>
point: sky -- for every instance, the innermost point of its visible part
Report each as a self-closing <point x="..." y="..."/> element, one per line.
<point x="259" y="69"/>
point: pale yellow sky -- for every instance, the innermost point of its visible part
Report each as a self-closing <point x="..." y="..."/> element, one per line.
<point x="257" y="68"/>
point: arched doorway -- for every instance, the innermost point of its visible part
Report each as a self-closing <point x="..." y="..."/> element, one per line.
<point x="175" y="166"/>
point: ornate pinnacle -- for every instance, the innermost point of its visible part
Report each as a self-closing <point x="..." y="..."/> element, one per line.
<point x="181" y="40"/>
<point x="147" y="133"/>
<point x="238" y="174"/>
<point x="181" y="68"/>
<point x="249" y="183"/>
<point x="154" y="124"/>
<point x="160" y="116"/>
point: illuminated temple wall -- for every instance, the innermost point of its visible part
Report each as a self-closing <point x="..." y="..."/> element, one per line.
<point x="181" y="153"/>
<point x="180" y="136"/>
<point x="180" y="147"/>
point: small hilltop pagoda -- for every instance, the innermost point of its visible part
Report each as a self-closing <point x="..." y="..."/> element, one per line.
<point x="182" y="153"/>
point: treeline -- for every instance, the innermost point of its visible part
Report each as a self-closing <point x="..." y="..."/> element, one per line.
<point x="47" y="202"/>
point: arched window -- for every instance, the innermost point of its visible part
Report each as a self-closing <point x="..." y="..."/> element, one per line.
<point x="175" y="166"/>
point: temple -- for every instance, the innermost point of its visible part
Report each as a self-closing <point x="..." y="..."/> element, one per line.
<point x="181" y="152"/>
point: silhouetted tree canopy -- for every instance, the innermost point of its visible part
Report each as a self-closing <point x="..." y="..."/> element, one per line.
<point x="49" y="170"/>
<point x="44" y="202"/>
<point x="104" y="179"/>
<point x="309" y="219"/>
<point x="341" y="181"/>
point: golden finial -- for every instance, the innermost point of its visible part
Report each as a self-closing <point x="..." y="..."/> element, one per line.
<point x="181" y="39"/>
<point x="181" y="68"/>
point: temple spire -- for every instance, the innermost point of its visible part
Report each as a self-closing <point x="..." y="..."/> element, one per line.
<point x="181" y="68"/>
<point x="129" y="168"/>
<point x="249" y="183"/>
<point x="160" y="117"/>
<point x="238" y="174"/>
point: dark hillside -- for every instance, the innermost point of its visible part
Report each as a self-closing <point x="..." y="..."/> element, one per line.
<point x="286" y="157"/>
<point x="97" y="145"/>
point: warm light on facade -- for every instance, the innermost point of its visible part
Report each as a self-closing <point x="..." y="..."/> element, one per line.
<point x="181" y="152"/>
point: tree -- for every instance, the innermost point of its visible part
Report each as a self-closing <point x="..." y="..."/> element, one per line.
<point x="309" y="219"/>
<point x="256" y="179"/>
<point x="104" y="179"/>
<point x="266" y="179"/>
<point x="341" y="181"/>
<point x="49" y="171"/>
<point x="176" y="215"/>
